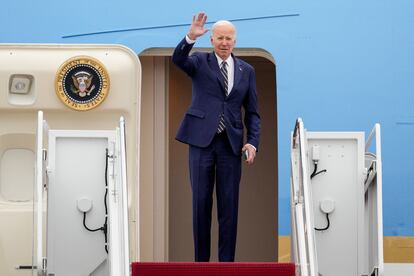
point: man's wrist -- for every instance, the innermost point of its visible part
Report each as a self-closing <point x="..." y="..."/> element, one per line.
<point x="189" y="39"/>
<point x="252" y="146"/>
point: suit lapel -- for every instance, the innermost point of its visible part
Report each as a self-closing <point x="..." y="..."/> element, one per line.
<point x="238" y="72"/>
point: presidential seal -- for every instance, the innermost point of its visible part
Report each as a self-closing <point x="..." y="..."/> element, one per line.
<point x="82" y="83"/>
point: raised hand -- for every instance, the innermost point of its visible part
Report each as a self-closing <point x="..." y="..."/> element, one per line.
<point x="197" y="26"/>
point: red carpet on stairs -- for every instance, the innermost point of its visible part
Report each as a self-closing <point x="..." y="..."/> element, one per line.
<point x="212" y="269"/>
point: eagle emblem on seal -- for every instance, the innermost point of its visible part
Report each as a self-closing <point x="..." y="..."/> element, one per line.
<point x="82" y="82"/>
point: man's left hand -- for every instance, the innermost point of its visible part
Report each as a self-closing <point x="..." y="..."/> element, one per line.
<point x="251" y="151"/>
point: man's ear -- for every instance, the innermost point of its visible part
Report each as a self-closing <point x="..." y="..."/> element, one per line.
<point x="211" y="40"/>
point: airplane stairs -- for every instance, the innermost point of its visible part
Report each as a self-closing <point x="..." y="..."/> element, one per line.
<point x="212" y="269"/>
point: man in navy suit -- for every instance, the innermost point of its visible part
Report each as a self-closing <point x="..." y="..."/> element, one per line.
<point x="213" y="128"/>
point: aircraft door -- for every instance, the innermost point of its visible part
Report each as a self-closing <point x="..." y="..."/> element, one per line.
<point x="85" y="176"/>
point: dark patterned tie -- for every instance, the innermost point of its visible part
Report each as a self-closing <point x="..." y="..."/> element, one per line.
<point x="223" y="70"/>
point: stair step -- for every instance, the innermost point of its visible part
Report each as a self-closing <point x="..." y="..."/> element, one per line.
<point x="212" y="269"/>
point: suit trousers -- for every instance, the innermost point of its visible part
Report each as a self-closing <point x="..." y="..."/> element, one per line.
<point x="217" y="164"/>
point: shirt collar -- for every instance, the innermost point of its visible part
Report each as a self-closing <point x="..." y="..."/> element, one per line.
<point x="220" y="60"/>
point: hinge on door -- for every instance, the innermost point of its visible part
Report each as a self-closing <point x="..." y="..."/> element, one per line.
<point x="44" y="154"/>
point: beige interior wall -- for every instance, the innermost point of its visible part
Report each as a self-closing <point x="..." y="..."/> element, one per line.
<point x="257" y="230"/>
<point x="153" y="160"/>
<point x="180" y="223"/>
<point x="147" y="159"/>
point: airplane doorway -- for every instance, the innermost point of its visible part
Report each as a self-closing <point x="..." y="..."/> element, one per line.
<point x="166" y="230"/>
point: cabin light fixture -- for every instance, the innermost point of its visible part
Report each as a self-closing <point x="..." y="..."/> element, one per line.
<point x="20" y="84"/>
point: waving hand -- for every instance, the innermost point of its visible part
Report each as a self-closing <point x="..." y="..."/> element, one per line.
<point x="197" y="26"/>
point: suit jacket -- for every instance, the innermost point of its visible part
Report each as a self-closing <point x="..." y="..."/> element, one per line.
<point x="209" y="100"/>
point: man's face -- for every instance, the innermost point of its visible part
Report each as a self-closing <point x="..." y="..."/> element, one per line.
<point x="223" y="40"/>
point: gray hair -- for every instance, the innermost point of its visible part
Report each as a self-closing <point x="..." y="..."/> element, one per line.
<point x="223" y="23"/>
